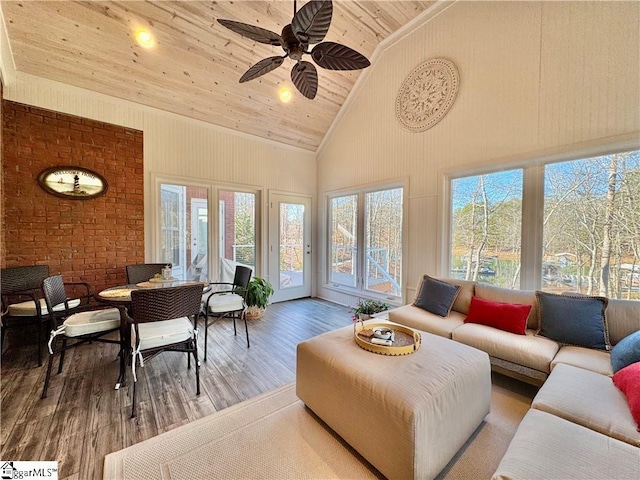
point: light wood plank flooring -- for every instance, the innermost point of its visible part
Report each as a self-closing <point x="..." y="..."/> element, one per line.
<point x="83" y="418"/>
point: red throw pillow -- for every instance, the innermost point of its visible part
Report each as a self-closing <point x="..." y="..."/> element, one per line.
<point x="510" y="317"/>
<point x="628" y="381"/>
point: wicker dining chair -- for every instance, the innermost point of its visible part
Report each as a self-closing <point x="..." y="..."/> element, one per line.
<point x="164" y="319"/>
<point x="230" y="301"/>
<point x="84" y="324"/>
<point x="23" y="302"/>
<point x="142" y="272"/>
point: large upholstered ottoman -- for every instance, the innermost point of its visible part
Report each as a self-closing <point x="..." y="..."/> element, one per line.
<point x="407" y="415"/>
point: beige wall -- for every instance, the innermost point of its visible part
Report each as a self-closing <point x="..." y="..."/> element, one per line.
<point x="535" y="78"/>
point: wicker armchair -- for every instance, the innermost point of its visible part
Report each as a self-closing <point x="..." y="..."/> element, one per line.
<point x="23" y="303"/>
<point x="84" y="324"/>
<point x="141" y="272"/>
<point x="164" y="319"/>
<point x="229" y="301"/>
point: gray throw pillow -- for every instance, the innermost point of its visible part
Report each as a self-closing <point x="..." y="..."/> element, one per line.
<point x="574" y="320"/>
<point x="626" y="352"/>
<point x="436" y="296"/>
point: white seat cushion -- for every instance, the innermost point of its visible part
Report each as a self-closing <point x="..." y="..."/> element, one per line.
<point x="225" y="302"/>
<point x="597" y="361"/>
<point x="84" y="323"/>
<point x="549" y="447"/>
<point x="588" y="399"/>
<point x="28" y="308"/>
<point x="528" y="350"/>
<point x="165" y="332"/>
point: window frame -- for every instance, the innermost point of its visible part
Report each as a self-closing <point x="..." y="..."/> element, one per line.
<point x="152" y="249"/>
<point x="533" y="175"/>
<point x="360" y="262"/>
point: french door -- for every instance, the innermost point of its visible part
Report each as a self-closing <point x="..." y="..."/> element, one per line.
<point x="290" y="246"/>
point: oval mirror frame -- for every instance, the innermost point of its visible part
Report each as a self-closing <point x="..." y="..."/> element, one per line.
<point x="71" y="182"/>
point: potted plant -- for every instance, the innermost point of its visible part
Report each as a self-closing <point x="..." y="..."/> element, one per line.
<point x="368" y="307"/>
<point x="258" y="293"/>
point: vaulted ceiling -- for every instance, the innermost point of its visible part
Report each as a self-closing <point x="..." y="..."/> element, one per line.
<point x="195" y="65"/>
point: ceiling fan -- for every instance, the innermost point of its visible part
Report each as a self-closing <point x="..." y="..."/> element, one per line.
<point x="309" y="25"/>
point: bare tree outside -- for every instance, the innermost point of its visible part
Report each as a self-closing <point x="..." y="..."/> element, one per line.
<point x="592" y="235"/>
<point x="485" y="228"/>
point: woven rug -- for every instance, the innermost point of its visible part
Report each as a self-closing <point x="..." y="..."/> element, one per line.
<point x="274" y="436"/>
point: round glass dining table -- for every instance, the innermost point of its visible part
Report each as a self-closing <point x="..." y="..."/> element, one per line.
<point x="122" y="293"/>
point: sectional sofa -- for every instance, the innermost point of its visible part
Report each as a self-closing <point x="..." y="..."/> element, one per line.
<point x="526" y="357"/>
<point x="580" y="424"/>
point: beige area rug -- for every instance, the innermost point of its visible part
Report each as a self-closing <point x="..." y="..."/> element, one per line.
<point x="274" y="436"/>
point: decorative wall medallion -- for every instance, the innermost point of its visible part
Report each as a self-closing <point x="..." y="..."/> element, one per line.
<point x="427" y="94"/>
<point x="72" y="182"/>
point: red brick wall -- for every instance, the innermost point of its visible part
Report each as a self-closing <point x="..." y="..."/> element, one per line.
<point x="84" y="240"/>
<point x="229" y="221"/>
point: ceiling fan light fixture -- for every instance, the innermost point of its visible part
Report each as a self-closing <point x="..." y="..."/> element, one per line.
<point x="309" y="25"/>
<point x="144" y="38"/>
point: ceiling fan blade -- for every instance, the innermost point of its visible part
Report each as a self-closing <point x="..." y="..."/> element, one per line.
<point x="305" y="77"/>
<point x="262" y="67"/>
<point x="311" y="23"/>
<point x="258" y="34"/>
<point x="335" y="56"/>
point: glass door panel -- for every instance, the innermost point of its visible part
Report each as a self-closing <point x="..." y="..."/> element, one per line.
<point x="290" y="247"/>
<point x="237" y="232"/>
<point x="184" y="230"/>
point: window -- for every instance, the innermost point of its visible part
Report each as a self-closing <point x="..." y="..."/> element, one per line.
<point x="238" y="227"/>
<point x="565" y="226"/>
<point x="201" y="243"/>
<point x="365" y="251"/>
<point x="591" y="239"/>
<point x="184" y="226"/>
<point x="343" y="251"/>
<point x="485" y="228"/>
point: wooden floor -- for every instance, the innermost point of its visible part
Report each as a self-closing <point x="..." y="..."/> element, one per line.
<point x="83" y="418"/>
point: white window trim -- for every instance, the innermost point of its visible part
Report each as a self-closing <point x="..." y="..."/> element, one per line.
<point x="532" y="199"/>
<point x="360" y="192"/>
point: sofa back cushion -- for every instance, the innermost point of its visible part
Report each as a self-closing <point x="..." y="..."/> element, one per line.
<point x="506" y="295"/>
<point x="467" y="290"/>
<point x="623" y="318"/>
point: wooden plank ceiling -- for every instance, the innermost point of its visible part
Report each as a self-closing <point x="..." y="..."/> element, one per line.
<point x="193" y="69"/>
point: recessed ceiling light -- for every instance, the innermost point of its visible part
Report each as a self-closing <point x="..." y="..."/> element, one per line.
<point x="285" y="95"/>
<point x="144" y="38"/>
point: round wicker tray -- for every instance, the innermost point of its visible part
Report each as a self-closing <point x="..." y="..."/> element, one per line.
<point x="406" y="339"/>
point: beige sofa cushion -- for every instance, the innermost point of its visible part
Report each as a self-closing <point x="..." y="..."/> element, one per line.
<point x="506" y="295"/>
<point x="463" y="300"/>
<point x="528" y="350"/>
<point x="588" y="399"/>
<point x="549" y="447"/>
<point x="420" y="319"/>
<point x="623" y="318"/>
<point x="597" y="361"/>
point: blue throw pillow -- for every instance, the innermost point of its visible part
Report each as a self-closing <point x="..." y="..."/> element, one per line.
<point x="575" y="320"/>
<point x="626" y="352"/>
<point x="436" y="296"/>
